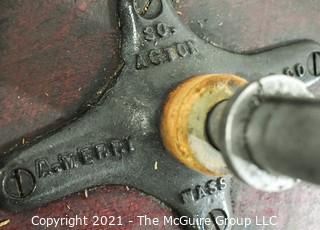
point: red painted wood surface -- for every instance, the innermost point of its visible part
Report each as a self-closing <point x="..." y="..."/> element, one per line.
<point x="56" y="57"/>
<point x="108" y="201"/>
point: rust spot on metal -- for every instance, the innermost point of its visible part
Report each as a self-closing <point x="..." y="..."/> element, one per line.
<point x="184" y="117"/>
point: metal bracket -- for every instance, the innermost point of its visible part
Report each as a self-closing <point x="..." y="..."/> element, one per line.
<point x="118" y="141"/>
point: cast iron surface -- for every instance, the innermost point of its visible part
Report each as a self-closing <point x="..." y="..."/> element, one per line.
<point x="118" y="141"/>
